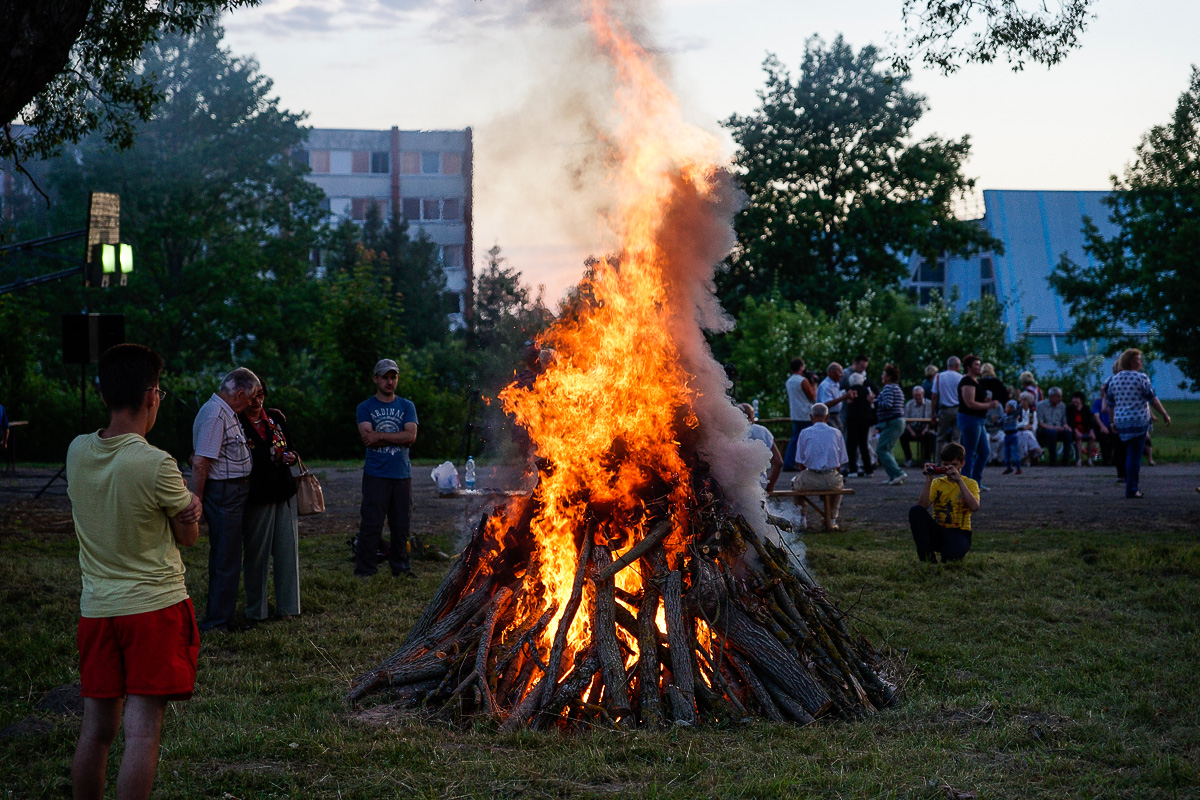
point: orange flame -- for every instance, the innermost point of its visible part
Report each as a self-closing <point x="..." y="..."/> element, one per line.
<point x="604" y="414"/>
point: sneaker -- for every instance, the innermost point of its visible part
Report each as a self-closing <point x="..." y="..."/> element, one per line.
<point x="860" y="474"/>
<point x="1008" y="471"/>
<point x="1018" y="470"/>
<point x="899" y="480"/>
<point x="983" y="488"/>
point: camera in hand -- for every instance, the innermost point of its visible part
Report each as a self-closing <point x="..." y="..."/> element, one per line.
<point x="933" y="469"/>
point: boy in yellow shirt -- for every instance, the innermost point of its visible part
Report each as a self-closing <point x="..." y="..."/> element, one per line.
<point x="941" y="519"/>
<point x="137" y="636"/>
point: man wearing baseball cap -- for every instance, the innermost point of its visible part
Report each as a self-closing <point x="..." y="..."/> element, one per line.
<point x="388" y="427"/>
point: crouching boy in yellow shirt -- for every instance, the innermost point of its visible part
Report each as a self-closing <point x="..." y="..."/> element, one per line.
<point x="941" y="519"/>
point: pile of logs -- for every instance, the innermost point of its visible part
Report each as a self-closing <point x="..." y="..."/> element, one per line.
<point x="748" y="634"/>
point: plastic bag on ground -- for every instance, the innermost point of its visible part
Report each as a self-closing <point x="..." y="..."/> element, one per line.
<point x="446" y="477"/>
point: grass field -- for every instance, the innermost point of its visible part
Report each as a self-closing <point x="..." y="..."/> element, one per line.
<point x="1051" y="664"/>
<point x="1180" y="441"/>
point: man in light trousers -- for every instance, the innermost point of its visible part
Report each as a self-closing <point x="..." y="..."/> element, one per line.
<point x="820" y="454"/>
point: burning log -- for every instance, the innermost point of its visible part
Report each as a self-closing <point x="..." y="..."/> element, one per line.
<point x="734" y="630"/>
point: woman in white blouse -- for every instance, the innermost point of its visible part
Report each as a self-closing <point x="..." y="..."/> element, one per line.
<point x="1027" y="443"/>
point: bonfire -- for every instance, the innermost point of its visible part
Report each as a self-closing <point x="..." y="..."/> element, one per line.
<point x="639" y="582"/>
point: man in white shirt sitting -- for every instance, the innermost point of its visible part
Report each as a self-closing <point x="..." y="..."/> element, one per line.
<point x="820" y="454"/>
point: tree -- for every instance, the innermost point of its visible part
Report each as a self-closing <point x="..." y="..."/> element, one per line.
<point x="71" y="68"/>
<point x="837" y="198"/>
<point x="1147" y="275"/>
<point x="946" y="34"/>
<point x="221" y="221"/>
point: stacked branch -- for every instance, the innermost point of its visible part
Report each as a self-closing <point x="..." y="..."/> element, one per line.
<point x="747" y="635"/>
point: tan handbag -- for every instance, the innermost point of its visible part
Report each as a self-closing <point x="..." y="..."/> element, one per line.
<point x="309" y="497"/>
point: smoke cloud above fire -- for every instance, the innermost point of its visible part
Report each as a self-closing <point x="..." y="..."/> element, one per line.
<point x="551" y="169"/>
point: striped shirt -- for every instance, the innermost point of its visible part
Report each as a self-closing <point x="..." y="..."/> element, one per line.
<point x="217" y="435"/>
<point x="890" y="403"/>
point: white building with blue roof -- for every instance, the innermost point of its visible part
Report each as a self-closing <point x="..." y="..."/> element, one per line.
<point x="1037" y="227"/>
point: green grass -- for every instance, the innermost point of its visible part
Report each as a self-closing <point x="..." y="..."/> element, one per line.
<point x="1050" y="664"/>
<point x="1181" y="440"/>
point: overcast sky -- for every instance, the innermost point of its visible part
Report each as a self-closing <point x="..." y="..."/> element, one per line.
<point x="456" y="63"/>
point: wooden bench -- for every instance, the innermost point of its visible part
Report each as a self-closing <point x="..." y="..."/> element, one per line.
<point x="802" y="496"/>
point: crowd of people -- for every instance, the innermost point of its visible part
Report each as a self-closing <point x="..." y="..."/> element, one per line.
<point x="957" y="421"/>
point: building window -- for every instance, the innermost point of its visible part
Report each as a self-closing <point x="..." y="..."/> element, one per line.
<point x="451" y="209"/>
<point x="932" y="273"/>
<point x="360" y="206"/>
<point x="452" y="256"/>
<point x="379" y="162"/>
<point x="299" y="158"/>
<point x="318" y="161"/>
<point x="410" y="163"/>
<point x="986" y="271"/>
<point x="341" y="162"/>
<point x="431" y="209"/>
<point x="452" y="163"/>
<point x="324" y="203"/>
<point x="410" y="207"/>
<point x="431" y="163"/>
<point x="360" y="161"/>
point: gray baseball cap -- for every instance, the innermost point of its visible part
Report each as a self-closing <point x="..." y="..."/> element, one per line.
<point x="385" y="366"/>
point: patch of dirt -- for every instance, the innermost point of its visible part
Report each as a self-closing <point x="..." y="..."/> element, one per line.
<point x="1039" y="498"/>
<point x="30" y="726"/>
<point x="64" y="700"/>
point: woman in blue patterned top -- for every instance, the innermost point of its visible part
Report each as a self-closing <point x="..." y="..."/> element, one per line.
<point x="1130" y="396"/>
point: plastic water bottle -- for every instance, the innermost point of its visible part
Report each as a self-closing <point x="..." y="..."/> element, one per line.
<point x="470" y="472"/>
<point x="755" y="406"/>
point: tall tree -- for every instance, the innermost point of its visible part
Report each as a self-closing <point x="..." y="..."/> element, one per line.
<point x="947" y="34"/>
<point x="1148" y="274"/>
<point x="69" y="68"/>
<point x="837" y="193"/>
<point x="220" y="220"/>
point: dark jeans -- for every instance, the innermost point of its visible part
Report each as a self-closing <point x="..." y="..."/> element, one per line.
<point x="1119" y="455"/>
<point x="789" y="455"/>
<point x="975" y="444"/>
<point x="390" y="499"/>
<point x="1012" y="452"/>
<point x="225" y="510"/>
<point x="1133" y="463"/>
<point x="856" y="444"/>
<point x="1049" y="439"/>
<point x="932" y="538"/>
<point x="924" y="440"/>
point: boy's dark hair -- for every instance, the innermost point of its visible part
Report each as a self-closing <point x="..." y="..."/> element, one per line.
<point x="953" y="452"/>
<point x="892" y="371"/>
<point x="126" y="372"/>
<point x="1080" y="395"/>
<point x="797" y="364"/>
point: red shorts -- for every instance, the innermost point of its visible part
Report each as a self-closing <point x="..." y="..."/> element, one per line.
<point x="148" y="654"/>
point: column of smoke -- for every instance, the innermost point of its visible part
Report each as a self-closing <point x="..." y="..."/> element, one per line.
<point x="550" y="159"/>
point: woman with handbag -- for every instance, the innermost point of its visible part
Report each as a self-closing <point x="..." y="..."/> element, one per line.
<point x="271" y="532"/>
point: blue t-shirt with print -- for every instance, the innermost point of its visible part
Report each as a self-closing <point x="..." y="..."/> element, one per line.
<point x="389" y="461"/>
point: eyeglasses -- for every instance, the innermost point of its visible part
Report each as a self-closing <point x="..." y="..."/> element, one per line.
<point x="162" y="393"/>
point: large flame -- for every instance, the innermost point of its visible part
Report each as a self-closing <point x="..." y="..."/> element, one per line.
<point x="606" y="413"/>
